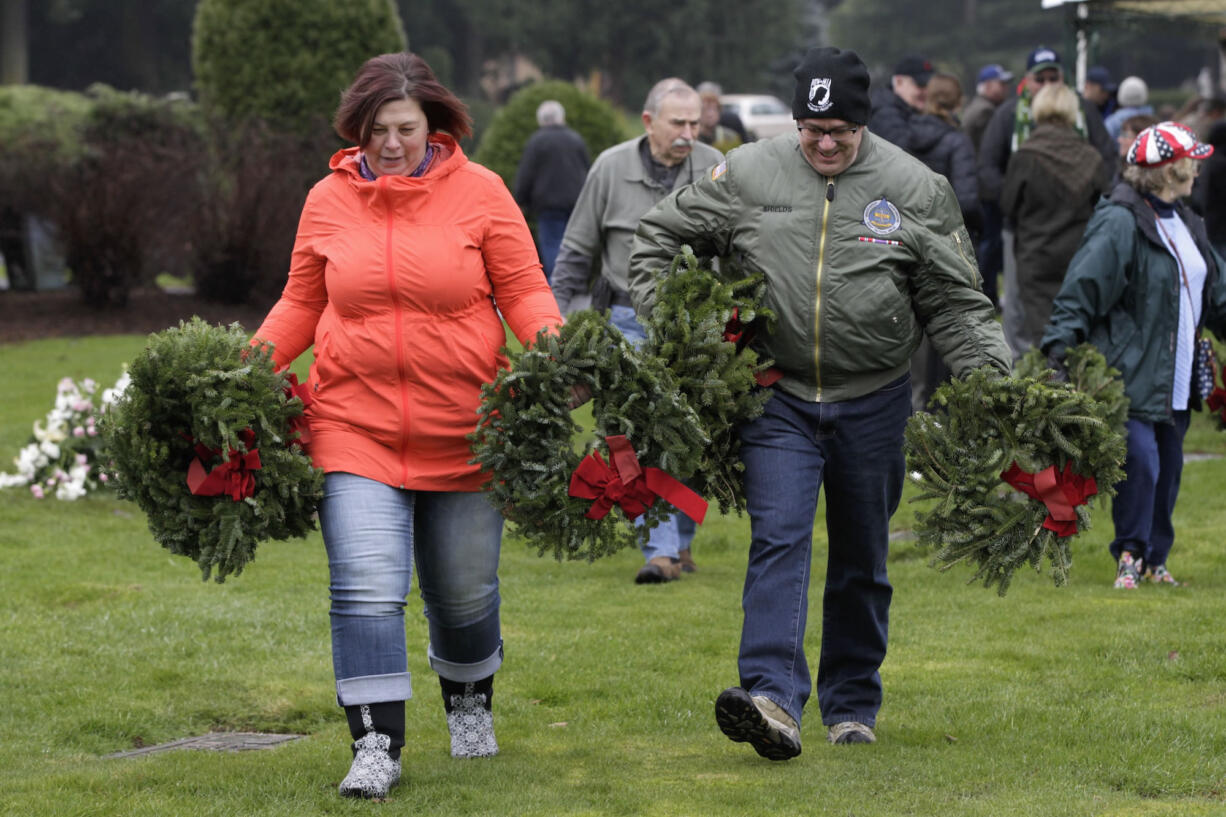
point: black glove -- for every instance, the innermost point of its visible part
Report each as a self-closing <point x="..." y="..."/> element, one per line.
<point x="1055" y="362"/>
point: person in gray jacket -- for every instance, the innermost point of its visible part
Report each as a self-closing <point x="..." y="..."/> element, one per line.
<point x="863" y="249"/>
<point x="624" y="182"/>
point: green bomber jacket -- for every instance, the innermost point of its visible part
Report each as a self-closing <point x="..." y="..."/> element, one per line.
<point x="857" y="266"/>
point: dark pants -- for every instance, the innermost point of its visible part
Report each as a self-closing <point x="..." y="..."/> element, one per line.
<point x="991" y="251"/>
<point x="854" y="449"/>
<point x="1145" y="498"/>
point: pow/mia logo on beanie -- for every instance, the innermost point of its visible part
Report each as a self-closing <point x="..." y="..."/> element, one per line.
<point x="819" y="95"/>
<point x="821" y="73"/>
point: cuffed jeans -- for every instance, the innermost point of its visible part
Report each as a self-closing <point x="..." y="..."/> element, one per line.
<point x="675" y="533"/>
<point x="374" y="533"/>
<point x="853" y="449"/>
<point x="1145" y="499"/>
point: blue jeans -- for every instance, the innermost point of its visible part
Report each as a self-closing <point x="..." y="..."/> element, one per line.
<point x="855" y="450"/>
<point x="1145" y="498"/>
<point x="550" y="227"/>
<point x="374" y="533"/>
<point x="676" y="533"/>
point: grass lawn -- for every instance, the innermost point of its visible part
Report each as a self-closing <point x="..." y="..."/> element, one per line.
<point x="1080" y="700"/>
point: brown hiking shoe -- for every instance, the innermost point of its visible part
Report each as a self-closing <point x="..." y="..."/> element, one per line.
<point x="687" y="561"/>
<point x="758" y="721"/>
<point x="659" y="569"/>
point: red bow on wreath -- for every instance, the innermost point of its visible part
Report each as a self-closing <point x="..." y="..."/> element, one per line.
<point x="232" y="477"/>
<point x="741" y="334"/>
<point x="625" y="483"/>
<point x="1216" y="401"/>
<point x="302" y="392"/>
<point x="1060" y="491"/>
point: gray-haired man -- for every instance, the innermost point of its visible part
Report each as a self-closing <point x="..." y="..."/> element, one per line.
<point x="625" y="182"/>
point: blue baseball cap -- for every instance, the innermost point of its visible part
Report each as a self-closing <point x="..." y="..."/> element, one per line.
<point x="1042" y="58"/>
<point x="1100" y="75"/>
<point x="993" y="71"/>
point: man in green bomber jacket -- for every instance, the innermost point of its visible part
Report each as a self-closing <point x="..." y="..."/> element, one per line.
<point x="863" y="249"/>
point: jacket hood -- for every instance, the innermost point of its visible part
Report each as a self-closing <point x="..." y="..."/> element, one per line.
<point x="926" y="131"/>
<point x="885" y="97"/>
<point x="451" y="158"/>
<point x="1125" y="195"/>
<point x="1071" y="159"/>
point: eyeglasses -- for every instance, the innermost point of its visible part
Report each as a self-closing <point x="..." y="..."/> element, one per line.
<point x="838" y="135"/>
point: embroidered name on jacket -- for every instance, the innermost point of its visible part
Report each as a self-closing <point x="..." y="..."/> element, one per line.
<point x="776" y="208"/>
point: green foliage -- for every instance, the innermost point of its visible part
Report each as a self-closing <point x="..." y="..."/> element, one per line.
<point x="523" y="437"/>
<point x="37" y="118"/>
<point x="122" y="207"/>
<point x="286" y="60"/>
<point x="40" y="131"/>
<point x="686" y="331"/>
<point x="983" y="424"/>
<point x="635" y="43"/>
<point x="503" y="142"/>
<point x="198" y="384"/>
<point x="114" y="172"/>
<point x="677" y="399"/>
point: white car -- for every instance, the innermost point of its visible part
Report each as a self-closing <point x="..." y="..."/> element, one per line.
<point x="761" y="114"/>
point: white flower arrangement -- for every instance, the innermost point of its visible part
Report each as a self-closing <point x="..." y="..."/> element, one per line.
<point x="62" y="457"/>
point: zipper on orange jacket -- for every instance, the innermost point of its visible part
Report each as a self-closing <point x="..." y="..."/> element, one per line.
<point x="817" y="303"/>
<point x="403" y="378"/>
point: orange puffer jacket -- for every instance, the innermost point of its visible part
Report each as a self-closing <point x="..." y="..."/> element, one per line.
<point x="399" y="282"/>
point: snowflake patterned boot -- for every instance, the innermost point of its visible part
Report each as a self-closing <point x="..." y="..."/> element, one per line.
<point x="469" y="717"/>
<point x="378" y="731"/>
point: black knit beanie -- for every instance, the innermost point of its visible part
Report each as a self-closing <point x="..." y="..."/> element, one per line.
<point x="831" y="84"/>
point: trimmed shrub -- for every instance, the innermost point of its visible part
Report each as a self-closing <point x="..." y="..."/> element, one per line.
<point x="115" y="173"/>
<point x="123" y="207"/>
<point x="40" y="130"/>
<point x="286" y="61"/>
<point x="254" y="185"/>
<point x="503" y="142"/>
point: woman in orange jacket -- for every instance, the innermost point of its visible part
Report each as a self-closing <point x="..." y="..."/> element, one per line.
<point x="406" y="253"/>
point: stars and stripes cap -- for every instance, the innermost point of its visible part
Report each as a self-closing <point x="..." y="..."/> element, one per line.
<point x="1164" y="143"/>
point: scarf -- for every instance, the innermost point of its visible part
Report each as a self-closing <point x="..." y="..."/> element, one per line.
<point x="369" y="175"/>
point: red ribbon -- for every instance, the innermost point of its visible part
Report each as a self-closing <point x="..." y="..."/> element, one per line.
<point x="1060" y="491"/>
<point x="232" y="477"/>
<point x="734" y="330"/>
<point x="741" y="334"/>
<point x="625" y="483"/>
<point x="1217" y="401"/>
<point x="299" y="423"/>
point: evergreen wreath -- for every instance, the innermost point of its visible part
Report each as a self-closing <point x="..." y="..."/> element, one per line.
<point x="700" y="327"/>
<point x="1010" y="464"/>
<point x="675" y="401"/>
<point x="197" y="391"/>
<point x="524" y="434"/>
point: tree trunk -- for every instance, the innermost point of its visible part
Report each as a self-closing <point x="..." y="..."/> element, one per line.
<point x="14" y="43"/>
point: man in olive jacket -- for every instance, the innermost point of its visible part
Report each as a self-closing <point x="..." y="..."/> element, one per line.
<point x="863" y="249"/>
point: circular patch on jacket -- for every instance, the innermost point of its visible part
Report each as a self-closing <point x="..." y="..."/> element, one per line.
<point x="882" y="217"/>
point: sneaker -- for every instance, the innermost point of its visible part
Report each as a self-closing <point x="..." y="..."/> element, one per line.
<point x="471" y="725"/>
<point x="851" y="732"/>
<point x="687" y="561"/>
<point x="374" y="771"/>
<point x="1128" y="576"/>
<point x="659" y="569"/>
<point x="758" y="721"/>
<point x="1160" y="575"/>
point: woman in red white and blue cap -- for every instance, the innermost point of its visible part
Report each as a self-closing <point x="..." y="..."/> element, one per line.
<point x="1142" y="287"/>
